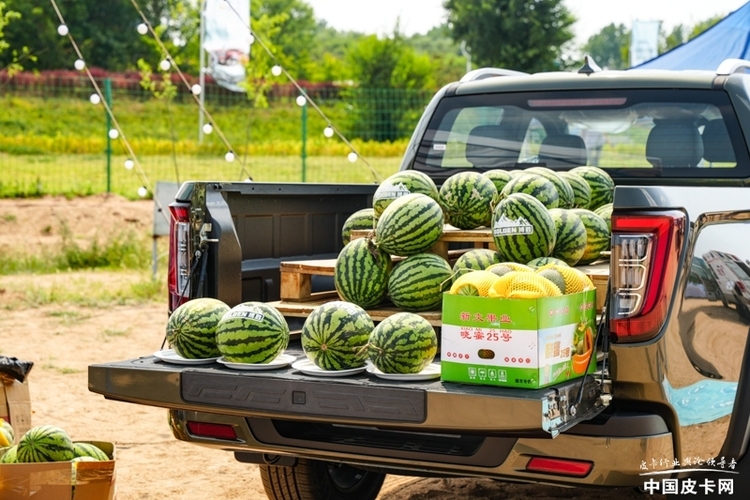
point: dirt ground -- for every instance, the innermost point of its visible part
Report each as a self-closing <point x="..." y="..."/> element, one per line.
<point x="62" y="340"/>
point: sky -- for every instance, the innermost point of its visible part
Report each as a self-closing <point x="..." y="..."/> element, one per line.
<point x="418" y="16"/>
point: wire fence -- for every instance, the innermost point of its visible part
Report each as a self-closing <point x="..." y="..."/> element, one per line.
<point x="55" y="140"/>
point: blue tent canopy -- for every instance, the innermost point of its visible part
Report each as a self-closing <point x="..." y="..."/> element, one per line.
<point x="729" y="38"/>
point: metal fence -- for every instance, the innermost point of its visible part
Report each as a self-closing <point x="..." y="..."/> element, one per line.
<point x="54" y="140"/>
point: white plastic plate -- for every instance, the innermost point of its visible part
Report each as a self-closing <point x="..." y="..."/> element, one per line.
<point x="169" y="356"/>
<point x="281" y="361"/>
<point x="309" y="368"/>
<point x="430" y="372"/>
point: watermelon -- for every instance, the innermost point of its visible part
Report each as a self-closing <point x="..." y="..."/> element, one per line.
<point x="10" y="456"/>
<point x="466" y="198"/>
<point x="605" y="212"/>
<point x="417" y="282"/>
<point x="543" y="261"/>
<point x="361" y="273"/>
<point x="191" y="329"/>
<point x="252" y="332"/>
<point x="361" y="219"/>
<point x="400" y="184"/>
<point x="581" y="189"/>
<point x="522" y="228"/>
<point x="499" y="178"/>
<point x="555" y="277"/>
<point x="410" y="225"/>
<point x="45" y="443"/>
<point x="477" y="259"/>
<point x="601" y="184"/>
<point x="597" y="235"/>
<point x="402" y="343"/>
<point x="88" y="450"/>
<point x="535" y="185"/>
<point x="570" y="243"/>
<point x="564" y="189"/>
<point x="335" y="335"/>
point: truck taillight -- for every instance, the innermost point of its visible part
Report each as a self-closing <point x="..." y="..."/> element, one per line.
<point x="180" y="255"/>
<point x="643" y="269"/>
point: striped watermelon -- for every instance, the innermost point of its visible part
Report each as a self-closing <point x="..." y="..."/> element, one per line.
<point x="499" y="178"/>
<point x="571" y="236"/>
<point x="581" y="189"/>
<point x="564" y="189"/>
<point x="417" y="282"/>
<point x="252" y="332"/>
<point x="543" y="261"/>
<point x="10" y="455"/>
<point x="597" y="235"/>
<point x="410" y="225"/>
<point x="335" y="336"/>
<point x="402" y="343"/>
<point x="477" y="259"/>
<point x="191" y="329"/>
<point x="601" y="184"/>
<point x="45" y="443"/>
<point x="605" y="212"/>
<point x="400" y="184"/>
<point x="534" y="185"/>
<point x="522" y="228"/>
<point x="466" y="198"/>
<point x="361" y="273"/>
<point x="81" y="449"/>
<point x="361" y="219"/>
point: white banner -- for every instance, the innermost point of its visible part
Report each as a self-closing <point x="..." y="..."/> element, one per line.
<point x="644" y="41"/>
<point x="227" y="40"/>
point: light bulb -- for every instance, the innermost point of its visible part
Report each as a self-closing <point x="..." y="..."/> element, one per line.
<point x="129" y="164"/>
<point x="142" y="29"/>
<point x="95" y="99"/>
<point x="301" y="100"/>
<point x="229" y="157"/>
<point x="250" y="39"/>
<point x="142" y="191"/>
<point x="196" y="89"/>
<point x="165" y="65"/>
<point x="113" y="133"/>
<point x="276" y="70"/>
<point x="352" y="157"/>
<point x="62" y="30"/>
<point x="328" y="131"/>
<point x="79" y="64"/>
<point x="207" y="128"/>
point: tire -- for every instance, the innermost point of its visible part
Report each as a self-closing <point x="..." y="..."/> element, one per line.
<point x="316" y="480"/>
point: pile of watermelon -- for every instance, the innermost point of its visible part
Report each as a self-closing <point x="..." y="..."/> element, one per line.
<point x="251" y="332"/>
<point x="45" y="443"/>
<point x="340" y="335"/>
<point x="538" y="217"/>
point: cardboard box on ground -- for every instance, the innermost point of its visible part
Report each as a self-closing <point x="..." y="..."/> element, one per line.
<point x="15" y="405"/>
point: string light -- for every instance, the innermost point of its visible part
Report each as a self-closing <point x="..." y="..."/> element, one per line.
<point x="142" y="191"/>
<point x="62" y="30"/>
<point x="129" y="164"/>
<point x="229" y="157"/>
<point x="95" y="99"/>
<point x="276" y="70"/>
<point x="301" y="101"/>
<point x="142" y="29"/>
<point x="80" y="64"/>
<point x="113" y="133"/>
<point x="352" y="157"/>
<point x="196" y="89"/>
<point x="165" y="65"/>
<point x="328" y="131"/>
<point x="250" y="39"/>
<point x="207" y="128"/>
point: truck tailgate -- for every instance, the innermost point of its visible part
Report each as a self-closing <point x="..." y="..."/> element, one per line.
<point x="360" y="399"/>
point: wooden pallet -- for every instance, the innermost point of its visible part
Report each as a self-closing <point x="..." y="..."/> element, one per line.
<point x="481" y="238"/>
<point x="296" y="279"/>
<point x="303" y="310"/>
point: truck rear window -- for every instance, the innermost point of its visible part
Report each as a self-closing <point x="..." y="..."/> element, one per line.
<point x="646" y="133"/>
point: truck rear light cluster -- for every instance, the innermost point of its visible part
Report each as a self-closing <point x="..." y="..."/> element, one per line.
<point x="560" y="466"/>
<point x="224" y="432"/>
<point x="643" y="269"/>
<point x="180" y="255"/>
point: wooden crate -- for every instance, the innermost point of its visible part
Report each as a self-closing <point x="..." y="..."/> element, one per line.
<point x="296" y="279"/>
<point x="599" y="274"/>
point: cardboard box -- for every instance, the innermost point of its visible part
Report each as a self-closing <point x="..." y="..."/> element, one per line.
<point x="15" y="405"/>
<point x="59" y="481"/>
<point x="516" y="342"/>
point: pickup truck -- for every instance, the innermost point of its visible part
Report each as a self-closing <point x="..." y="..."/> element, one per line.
<point x="664" y="411"/>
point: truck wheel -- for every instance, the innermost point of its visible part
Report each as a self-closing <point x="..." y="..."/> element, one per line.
<point x="316" y="480"/>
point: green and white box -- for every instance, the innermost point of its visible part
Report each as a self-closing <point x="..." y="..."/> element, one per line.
<point x="529" y="343"/>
